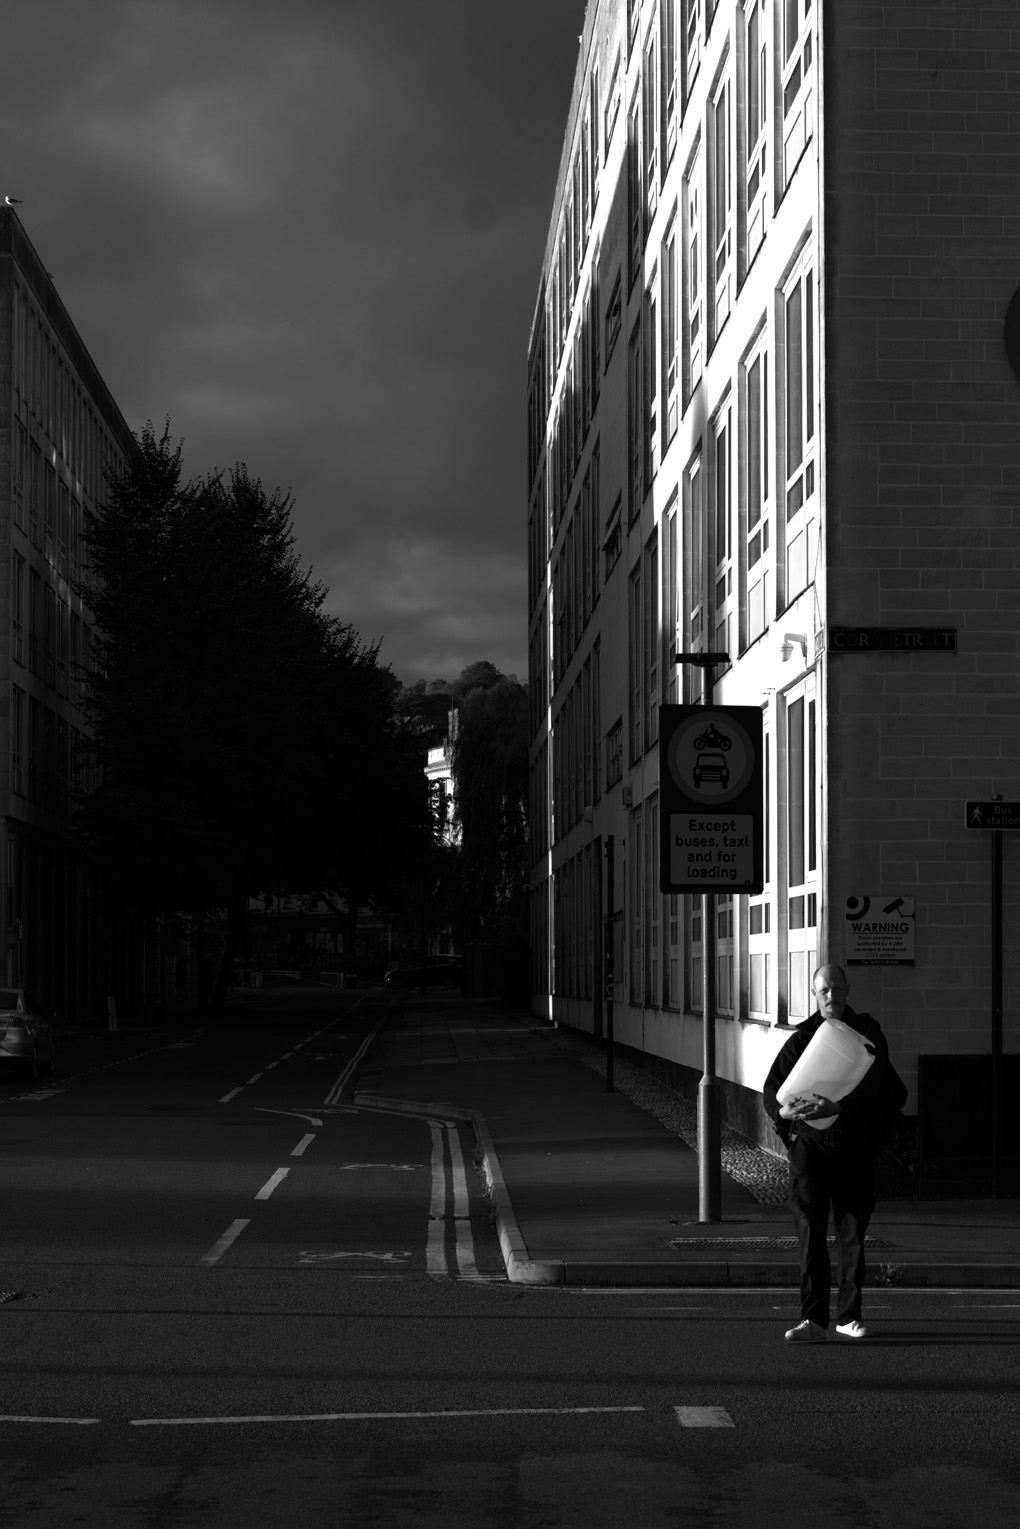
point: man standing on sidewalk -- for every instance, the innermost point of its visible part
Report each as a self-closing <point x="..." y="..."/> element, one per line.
<point x="834" y="1165"/>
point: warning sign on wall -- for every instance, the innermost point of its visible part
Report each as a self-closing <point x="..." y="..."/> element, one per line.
<point x="879" y="931"/>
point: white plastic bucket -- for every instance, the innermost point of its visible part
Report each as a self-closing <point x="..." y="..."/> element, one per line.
<point x="832" y="1064"/>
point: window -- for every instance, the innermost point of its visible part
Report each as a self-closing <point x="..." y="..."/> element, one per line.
<point x="612" y="546"/>
<point x="595" y="333"/>
<point x="670" y="336"/>
<point x="650" y="126"/>
<point x="667" y="31"/>
<point x="726" y="986"/>
<point x="694" y="27"/>
<point x="585" y="187"/>
<point x="594" y="529"/>
<point x="759" y="913"/>
<point x="18" y="608"/>
<point x="593" y="138"/>
<point x="695" y="950"/>
<point x="18" y="741"/>
<point x="636" y="424"/>
<point x="614" y="753"/>
<point x="635" y="192"/>
<point x="651" y="381"/>
<point x="50" y="514"/>
<point x="799" y="432"/>
<point x="596" y="720"/>
<point x="653" y="907"/>
<point x="723" y="552"/>
<point x="671" y="638"/>
<point x="756" y="517"/>
<point x="587" y="543"/>
<point x="34" y="619"/>
<point x="695" y="615"/>
<point x="35" y="492"/>
<point x="33" y="749"/>
<point x="635" y="652"/>
<point x="801" y="851"/>
<point x="614" y="317"/>
<point x="638" y="862"/>
<point x="695" y="302"/>
<point x="650" y="651"/>
<point x="798" y="94"/>
<point x="50" y="636"/>
<point x="19" y="469"/>
<point x="63" y="645"/>
<point x="722" y="207"/>
<point x="75" y="659"/>
<point x="613" y="97"/>
<point x="63" y="527"/>
<point x="755" y="121"/>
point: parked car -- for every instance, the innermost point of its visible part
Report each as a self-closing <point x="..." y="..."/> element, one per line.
<point x="436" y="973"/>
<point x="27" y="1041"/>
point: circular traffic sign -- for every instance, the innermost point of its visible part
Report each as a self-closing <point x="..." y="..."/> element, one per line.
<point x="711" y="757"/>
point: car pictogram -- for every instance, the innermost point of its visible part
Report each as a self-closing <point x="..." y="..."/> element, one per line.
<point x="711" y="767"/>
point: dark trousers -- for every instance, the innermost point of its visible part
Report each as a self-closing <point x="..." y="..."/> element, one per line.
<point x="845" y="1180"/>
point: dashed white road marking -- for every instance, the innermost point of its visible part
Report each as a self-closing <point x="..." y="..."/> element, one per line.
<point x="10" y="1417"/>
<point x="254" y="1079"/>
<point x="703" y="1417"/>
<point x="39" y="1094"/>
<point x="233" y="1092"/>
<point x="271" y="1183"/>
<point x="299" y="1150"/>
<point x="356" y="1417"/>
<point x="218" y="1249"/>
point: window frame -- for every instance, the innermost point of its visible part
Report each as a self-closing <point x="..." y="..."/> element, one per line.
<point x="800" y="425"/>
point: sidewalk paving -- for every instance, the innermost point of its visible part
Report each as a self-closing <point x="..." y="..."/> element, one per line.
<point x="590" y="1189"/>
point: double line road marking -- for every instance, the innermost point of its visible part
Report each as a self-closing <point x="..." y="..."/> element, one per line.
<point x="449" y="1188"/>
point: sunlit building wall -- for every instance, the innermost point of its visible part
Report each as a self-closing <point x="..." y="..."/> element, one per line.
<point x="767" y="397"/>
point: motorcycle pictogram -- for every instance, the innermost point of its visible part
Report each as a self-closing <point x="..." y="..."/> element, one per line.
<point x="712" y="738"/>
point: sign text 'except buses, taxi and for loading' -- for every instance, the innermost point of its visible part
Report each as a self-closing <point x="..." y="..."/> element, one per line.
<point x="712" y="848"/>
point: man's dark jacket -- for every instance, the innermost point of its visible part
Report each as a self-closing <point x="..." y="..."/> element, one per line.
<point x="868" y="1114"/>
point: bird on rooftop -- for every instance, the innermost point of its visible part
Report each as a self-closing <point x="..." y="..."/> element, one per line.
<point x="13" y="201"/>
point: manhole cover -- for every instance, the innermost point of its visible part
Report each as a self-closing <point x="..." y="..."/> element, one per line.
<point x="745" y="1244"/>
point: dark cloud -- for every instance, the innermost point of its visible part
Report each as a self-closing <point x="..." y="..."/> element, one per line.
<point x="311" y="234"/>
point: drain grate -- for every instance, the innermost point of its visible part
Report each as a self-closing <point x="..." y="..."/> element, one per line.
<point x="746" y="1244"/>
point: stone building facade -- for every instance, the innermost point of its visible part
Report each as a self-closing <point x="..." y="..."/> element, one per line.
<point x="771" y="412"/>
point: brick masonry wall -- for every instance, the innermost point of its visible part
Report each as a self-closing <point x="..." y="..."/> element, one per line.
<point x="922" y="486"/>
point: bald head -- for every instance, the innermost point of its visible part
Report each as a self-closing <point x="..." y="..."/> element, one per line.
<point x="830" y="988"/>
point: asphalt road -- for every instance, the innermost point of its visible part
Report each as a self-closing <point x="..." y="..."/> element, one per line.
<point x="240" y="1300"/>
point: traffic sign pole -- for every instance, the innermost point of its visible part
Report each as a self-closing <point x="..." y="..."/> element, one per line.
<point x="709" y="1133"/>
<point x="710" y="786"/>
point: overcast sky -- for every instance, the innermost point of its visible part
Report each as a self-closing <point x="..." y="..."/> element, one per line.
<point x="310" y="232"/>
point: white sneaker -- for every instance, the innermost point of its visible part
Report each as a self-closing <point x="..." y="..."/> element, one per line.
<point x="853" y="1329"/>
<point x="807" y="1332"/>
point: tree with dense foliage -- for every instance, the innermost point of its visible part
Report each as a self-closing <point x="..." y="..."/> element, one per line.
<point x="246" y="740"/>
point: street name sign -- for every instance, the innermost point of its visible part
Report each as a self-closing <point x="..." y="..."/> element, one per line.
<point x="710" y="799"/>
<point x="993" y="815"/>
<point x="892" y="639"/>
